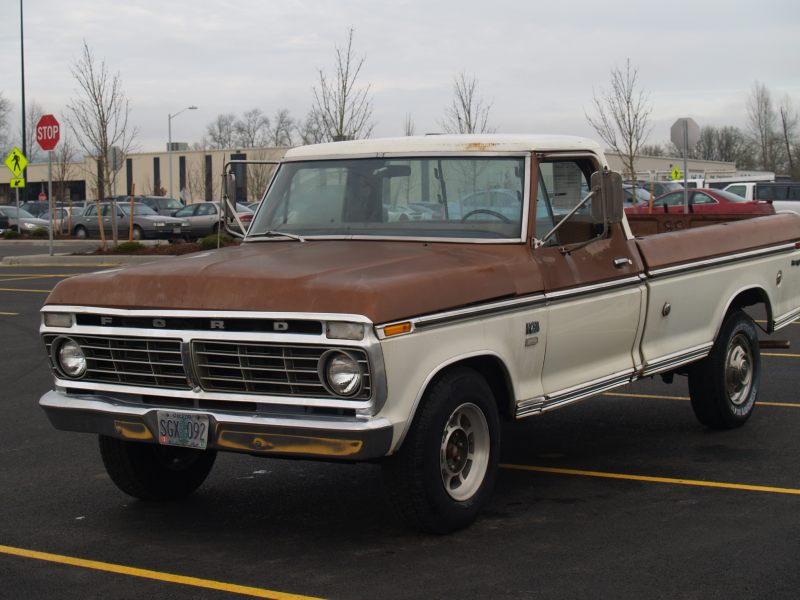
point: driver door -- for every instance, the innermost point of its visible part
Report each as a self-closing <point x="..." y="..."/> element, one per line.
<point x="595" y="309"/>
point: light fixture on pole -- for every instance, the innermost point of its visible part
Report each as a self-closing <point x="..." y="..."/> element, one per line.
<point x="169" y="145"/>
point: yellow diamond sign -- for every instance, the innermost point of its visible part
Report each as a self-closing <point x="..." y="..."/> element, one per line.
<point x="16" y="161"/>
<point x="676" y="174"/>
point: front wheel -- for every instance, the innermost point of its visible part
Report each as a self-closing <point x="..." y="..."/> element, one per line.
<point x="153" y="471"/>
<point x="137" y="234"/>
<point x="80" y="232"/>
<point x="445" y="470"/>
<point x="724" y="385"/>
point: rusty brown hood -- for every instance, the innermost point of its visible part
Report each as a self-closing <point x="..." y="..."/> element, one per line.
<point x="383" y="281"/>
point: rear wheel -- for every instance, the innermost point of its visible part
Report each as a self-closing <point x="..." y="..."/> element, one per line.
<point x="153" y="471"/>
<point x="138" y="234"/>
<point x="445" y="470"/>
<point x="724" y="385"/>
<point x="80" y="231"/>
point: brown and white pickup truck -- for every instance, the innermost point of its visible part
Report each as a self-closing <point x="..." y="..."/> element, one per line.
<point x="339" y="330"/>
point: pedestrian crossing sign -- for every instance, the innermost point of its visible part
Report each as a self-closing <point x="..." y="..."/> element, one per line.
<point x="16" y="161"/>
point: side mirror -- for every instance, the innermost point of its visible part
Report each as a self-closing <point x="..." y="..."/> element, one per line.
<point x="607" y="209"/>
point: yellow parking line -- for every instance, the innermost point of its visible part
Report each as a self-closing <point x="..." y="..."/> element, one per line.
<point x="734" y="486"/>
<point x="16" y="290"/>
<point x="193" y="581"/>
<point x="2" y="313"/>
<point x="776" y="354"/>
<point x="687" y="398"/>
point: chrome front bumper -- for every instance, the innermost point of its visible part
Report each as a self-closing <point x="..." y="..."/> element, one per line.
<point x="290" y="436"/>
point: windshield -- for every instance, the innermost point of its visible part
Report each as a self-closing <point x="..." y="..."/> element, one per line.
<point x="13" y="211"/>
<point x="169" y="203"/>
<point x="420" y="197"/>
<point x="138" y="209"/>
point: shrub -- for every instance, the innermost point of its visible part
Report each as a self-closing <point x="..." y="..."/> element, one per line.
<point x="129" y="247"/>
<point x="39" y="232"/>
<point x="11" y="234"/>
<point x="210" y="242"/>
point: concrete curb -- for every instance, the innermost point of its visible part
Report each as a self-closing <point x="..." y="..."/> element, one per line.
<point x="71" y="260"/>
<point x="85" y="242"/>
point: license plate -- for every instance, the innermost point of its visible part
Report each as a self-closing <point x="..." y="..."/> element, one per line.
<point x="176" y="230"/>
<point x="182" y="429"/>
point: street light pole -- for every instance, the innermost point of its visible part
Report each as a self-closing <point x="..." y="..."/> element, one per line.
<point x="169" y="127"/>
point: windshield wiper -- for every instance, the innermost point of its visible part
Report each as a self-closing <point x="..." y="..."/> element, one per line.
<point x="289" y="235"/>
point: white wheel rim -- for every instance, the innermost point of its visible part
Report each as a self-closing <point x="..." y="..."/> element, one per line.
<point x="464" y="452"/>
<point x="739" y="370"/>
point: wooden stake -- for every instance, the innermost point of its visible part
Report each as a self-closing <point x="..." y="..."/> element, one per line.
<point x="100" y="219"/>
<point x="652" y="187"/>
<point x="130" y="229"/>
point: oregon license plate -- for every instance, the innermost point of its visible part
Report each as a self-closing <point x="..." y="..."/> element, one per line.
<point x="182" y="429"/>
<point x="176" y="230"/>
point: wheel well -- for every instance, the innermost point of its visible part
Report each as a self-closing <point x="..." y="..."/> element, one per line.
<point x="496" y="375"/>
<point x="747" y="298"/>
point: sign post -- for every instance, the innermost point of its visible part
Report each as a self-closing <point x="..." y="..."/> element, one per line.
<point x="684" y="133"/>
<point x="48" y="134"/>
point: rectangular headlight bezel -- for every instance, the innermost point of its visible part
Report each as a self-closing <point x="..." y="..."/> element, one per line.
<point x="341" y="330"/>
<point x="56" y="319"/>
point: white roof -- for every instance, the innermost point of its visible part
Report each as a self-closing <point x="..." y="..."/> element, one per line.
<point x="498" y="142"/>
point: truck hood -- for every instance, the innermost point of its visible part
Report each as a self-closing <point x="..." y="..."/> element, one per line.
<point x="384" y="281"/>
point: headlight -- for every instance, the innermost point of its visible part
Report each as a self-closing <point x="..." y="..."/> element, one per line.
<point x="184" y="223"/>
<point x="340" y="373"/>
<point x="159" y="224"/>
<point x="344" y="331"/>
<point x="58" y="319"/>
<point x="70" y="358"/>
<point x="29" y="226"/>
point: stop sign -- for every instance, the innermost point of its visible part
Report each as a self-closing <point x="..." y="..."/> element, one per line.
<point x="42" y="196"/>
<point x="47" y="132"/>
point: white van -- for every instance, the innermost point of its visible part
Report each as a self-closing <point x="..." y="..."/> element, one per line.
<point x="785" y="195"/>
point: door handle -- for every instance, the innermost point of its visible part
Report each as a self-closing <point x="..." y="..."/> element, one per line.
<point x="621" y="262"/>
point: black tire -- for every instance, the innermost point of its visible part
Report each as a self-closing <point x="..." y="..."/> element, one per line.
<point x="215" y="229"/>
<point x="724" y="385"/>
<point x="431" y="484"/>
<point x="153" y="471"/>
<point x="137" y="234"/>
<point x="80" y="231"/>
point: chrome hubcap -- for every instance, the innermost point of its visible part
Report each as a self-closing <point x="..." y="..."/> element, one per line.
<point x="464" y="452"/>
<point x="739" y="370"/>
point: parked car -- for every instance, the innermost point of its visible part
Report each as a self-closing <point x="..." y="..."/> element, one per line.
<point x="705" y="201"/>
<point x="204" y="217"/>
<point x="23" y="221"/>
<point x="147" y="223"/>
<point x="659" y="187"/>
<point x="62" y="218"/>
<point x="762" y="190"/>
<point x="4" y="224"/>
<point x="628" y="192"/>
<point x="161" y="204"/>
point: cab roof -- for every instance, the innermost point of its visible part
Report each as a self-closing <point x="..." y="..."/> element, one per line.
<point x="449" y="143"/>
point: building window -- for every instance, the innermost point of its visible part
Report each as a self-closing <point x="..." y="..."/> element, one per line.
<point x="240" y="172"/>
<point x="156" y="175"/>
<point x="209" y="181"/>
<point x="129" y="173"/>
<point x="182" y="176"/>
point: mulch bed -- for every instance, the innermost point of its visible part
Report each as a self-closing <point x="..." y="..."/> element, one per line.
<point x="160" y="250"/>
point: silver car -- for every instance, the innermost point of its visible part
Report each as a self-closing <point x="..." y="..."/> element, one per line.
<point x="23" y="221"/>
<point x="147" y="223"/>
<point x="204" y="217"/>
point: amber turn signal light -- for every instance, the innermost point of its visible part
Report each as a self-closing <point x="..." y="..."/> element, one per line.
<point x="396" y="329"/>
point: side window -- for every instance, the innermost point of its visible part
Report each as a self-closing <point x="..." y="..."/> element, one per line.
<point x="701" y="198"/>
<point x="187" y="211"/>
<point x="90" y="212"/>
<point x="671" y="199"/>
<point x="205" y="209"/>
<point x="562" y="186"/>
<point x="739" y="190"/>
<point x="149" y="202"/>
<point x="794" y="192"/>
<point x="765" y="192"/>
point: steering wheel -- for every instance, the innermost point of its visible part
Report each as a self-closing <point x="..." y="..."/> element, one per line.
<point x="484" y="211"/>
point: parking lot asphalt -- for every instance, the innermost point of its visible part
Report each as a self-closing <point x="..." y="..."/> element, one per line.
<point x="622" y="496"/>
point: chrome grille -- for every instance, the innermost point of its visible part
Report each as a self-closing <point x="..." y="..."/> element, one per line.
<point x="258" y="368"/>
<point x="134" y="361"/>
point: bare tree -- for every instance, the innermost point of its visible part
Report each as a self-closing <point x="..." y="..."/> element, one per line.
<point x="221" y="132"/>
<point x="468" y="113"/>
<point x="622" y="114"/>
<point x="198" y="181"/>
<point x="408" y="126"/>
<point x="65" y="171"/>
<point x="258" y="176"/>
<point x="311" y="130"/>
<point x="342" y="106"/>
<point x="761" y="121"/>
<point x="99" y="116"/>
<point x="252" y="130"/>
<point x="280" y="133"/>
<point x="788" y="127"/>
<point x="5" y="129"/>
<point x="652" y="150"/>
<point x="34" y="113"/>
<point x="203" y="144"/>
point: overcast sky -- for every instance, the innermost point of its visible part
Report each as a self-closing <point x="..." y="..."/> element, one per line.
<point x="537" y="61"/>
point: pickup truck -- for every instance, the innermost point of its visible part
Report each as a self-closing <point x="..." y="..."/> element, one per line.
<point x="333" y="333"/>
